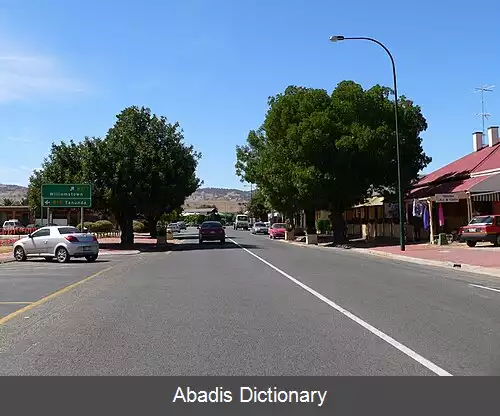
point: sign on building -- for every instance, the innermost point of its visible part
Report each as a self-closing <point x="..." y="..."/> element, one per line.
<point x="440" y="198"/>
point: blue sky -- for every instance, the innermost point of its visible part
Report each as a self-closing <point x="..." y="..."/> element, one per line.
<point x="67" y="68"/>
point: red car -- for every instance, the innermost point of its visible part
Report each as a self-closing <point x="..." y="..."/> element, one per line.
<point x="211" y="231"/>
<point x="482" y="228"/>
<point x="277" y="230"/>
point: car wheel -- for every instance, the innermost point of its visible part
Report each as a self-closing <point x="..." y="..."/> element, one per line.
<point x="471" y="243"/>
<point x="62" y="255"/>
<point x="19" y="254"/>
<point x="91" y="259"/>
<point x="497" y="242"/>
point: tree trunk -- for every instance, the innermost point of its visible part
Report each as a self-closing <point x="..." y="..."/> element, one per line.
<point x="126" y="226"/>
<point x="311" y="234"/>
<point x="339" y="228"/>
<point x="310" y="215"/>
<point x="152" y="220"/>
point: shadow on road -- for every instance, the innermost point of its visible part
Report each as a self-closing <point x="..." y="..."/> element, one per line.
<point x="211" y="246"/>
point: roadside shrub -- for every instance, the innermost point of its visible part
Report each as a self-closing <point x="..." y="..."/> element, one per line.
<point x="87" y="224"/>
<point x="102" y="226"/>
<point x="138" y="227"/>
<point x="323" y="226"/>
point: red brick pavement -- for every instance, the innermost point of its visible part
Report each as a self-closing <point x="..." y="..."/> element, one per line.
<point x="483" y="256"/>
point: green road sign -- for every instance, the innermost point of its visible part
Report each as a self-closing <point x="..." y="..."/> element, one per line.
<point x="57" y="195"/>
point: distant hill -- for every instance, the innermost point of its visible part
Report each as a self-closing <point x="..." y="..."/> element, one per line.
<point x="204" y="194"/>
<point x="226" y="200"/>
<point x="230" y="200"/>
<point x="14" y="192"/>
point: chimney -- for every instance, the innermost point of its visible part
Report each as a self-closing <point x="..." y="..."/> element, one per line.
<point x="493" y="138"/>
<point x="477" y="140"/>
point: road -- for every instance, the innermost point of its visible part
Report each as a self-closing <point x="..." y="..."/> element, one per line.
<point x="250" y="307"/>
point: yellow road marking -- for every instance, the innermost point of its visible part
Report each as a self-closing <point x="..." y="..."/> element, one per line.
<point x="15" y="303"/>
<point x="49" y="297"/>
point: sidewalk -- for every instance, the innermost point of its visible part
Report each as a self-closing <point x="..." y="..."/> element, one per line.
<point x="483" y="259"/>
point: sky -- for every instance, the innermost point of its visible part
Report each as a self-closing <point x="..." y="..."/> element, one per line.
<point x="68" y="67"/>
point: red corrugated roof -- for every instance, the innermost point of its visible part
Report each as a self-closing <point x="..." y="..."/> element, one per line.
<point x="484" y="159"/>
<point x="447" y="187"/>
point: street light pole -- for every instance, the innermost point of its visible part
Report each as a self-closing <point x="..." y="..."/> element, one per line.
<point x="398" y="159"/>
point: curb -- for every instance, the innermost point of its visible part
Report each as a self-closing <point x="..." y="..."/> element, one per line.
<point x="490" y="271"/>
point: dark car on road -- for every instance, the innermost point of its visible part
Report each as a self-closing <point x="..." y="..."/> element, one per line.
<point x="482" y="228"/>
<point x="212" y="231"/>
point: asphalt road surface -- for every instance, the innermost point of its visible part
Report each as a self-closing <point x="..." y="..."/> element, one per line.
<point x="252" y="306"/>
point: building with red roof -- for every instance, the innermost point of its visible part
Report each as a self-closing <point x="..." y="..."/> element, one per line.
<point x="471" y="184"/>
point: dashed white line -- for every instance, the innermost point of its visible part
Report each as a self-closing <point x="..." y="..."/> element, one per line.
<point x="484" y="287"/>
<point x="396" y="344"/>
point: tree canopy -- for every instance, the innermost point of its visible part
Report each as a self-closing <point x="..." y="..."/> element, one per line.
<point x="320" y="151"/>
<point x="141" y="166"/>
<point x="258" y="207"/>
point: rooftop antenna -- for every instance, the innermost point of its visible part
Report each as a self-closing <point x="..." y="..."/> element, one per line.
<point x="483" y="114"/>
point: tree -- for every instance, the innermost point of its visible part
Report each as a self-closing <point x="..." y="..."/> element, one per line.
<point x="320" y="151"/>
<point x="142" y="166"/>
<point x="8" y="202"/>
<point x="258" y="206"/>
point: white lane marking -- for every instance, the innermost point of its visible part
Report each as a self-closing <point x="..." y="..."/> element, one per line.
<point x="485" y="287"/>
<point x="396" y="344"/>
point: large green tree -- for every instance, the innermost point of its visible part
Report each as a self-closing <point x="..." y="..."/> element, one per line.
<point x="148" y="167"/>
<point x="321" y="151"/>
<point x="142" y="167"/>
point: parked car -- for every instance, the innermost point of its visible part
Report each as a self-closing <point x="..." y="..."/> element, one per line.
<point x="11" y="224"/>
<point x="259" y="228"/>
<point x="182" y="225"/>
<point x="212" y="231"/>
<point x="60" y="242"/>
<point x="173" y="227"/>
<point x="484" y="228"/>
<point x="241" y="222"/>
<point x="277" y="230"/>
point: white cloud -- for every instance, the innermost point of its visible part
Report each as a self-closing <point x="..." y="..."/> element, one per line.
<point x="24" y="75"/>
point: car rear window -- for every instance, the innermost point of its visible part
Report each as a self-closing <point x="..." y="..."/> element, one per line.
<point x="68" y="230"/>
<point x="278" y="225"/>
<point x="487" y="219"/>
<point x="241" y="218"/>
<point x="211" y="225"/>
<point x="260" y="224"/>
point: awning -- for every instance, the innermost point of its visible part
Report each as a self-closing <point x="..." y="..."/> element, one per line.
<point x="464" y="185"/>
<point x="486" y="197"/>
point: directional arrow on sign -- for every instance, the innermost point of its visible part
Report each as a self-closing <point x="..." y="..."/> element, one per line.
<point x="47" y="202"/>
<point x="72" y="189"/>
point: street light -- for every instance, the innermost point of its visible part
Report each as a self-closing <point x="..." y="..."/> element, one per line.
<point x="400" y="189"/>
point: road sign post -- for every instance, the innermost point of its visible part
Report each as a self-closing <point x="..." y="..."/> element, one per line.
<point x="58" y="195"/>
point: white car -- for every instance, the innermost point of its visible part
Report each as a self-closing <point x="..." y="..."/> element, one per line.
<point x="173" y="227"/>
<point x="182" y="225"/>
<point x="11" y="224"/>
<point x="59" y="242"/>
<point x="259" y="228"/>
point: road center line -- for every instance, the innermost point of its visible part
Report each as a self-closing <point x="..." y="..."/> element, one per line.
<point x="396" y="344"/>
<point x="485" y="287"/>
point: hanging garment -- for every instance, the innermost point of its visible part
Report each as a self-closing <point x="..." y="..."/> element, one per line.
<point x="426" y="218"/>
<point x="417" y="208"/>
<point x="441" y="215"/>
